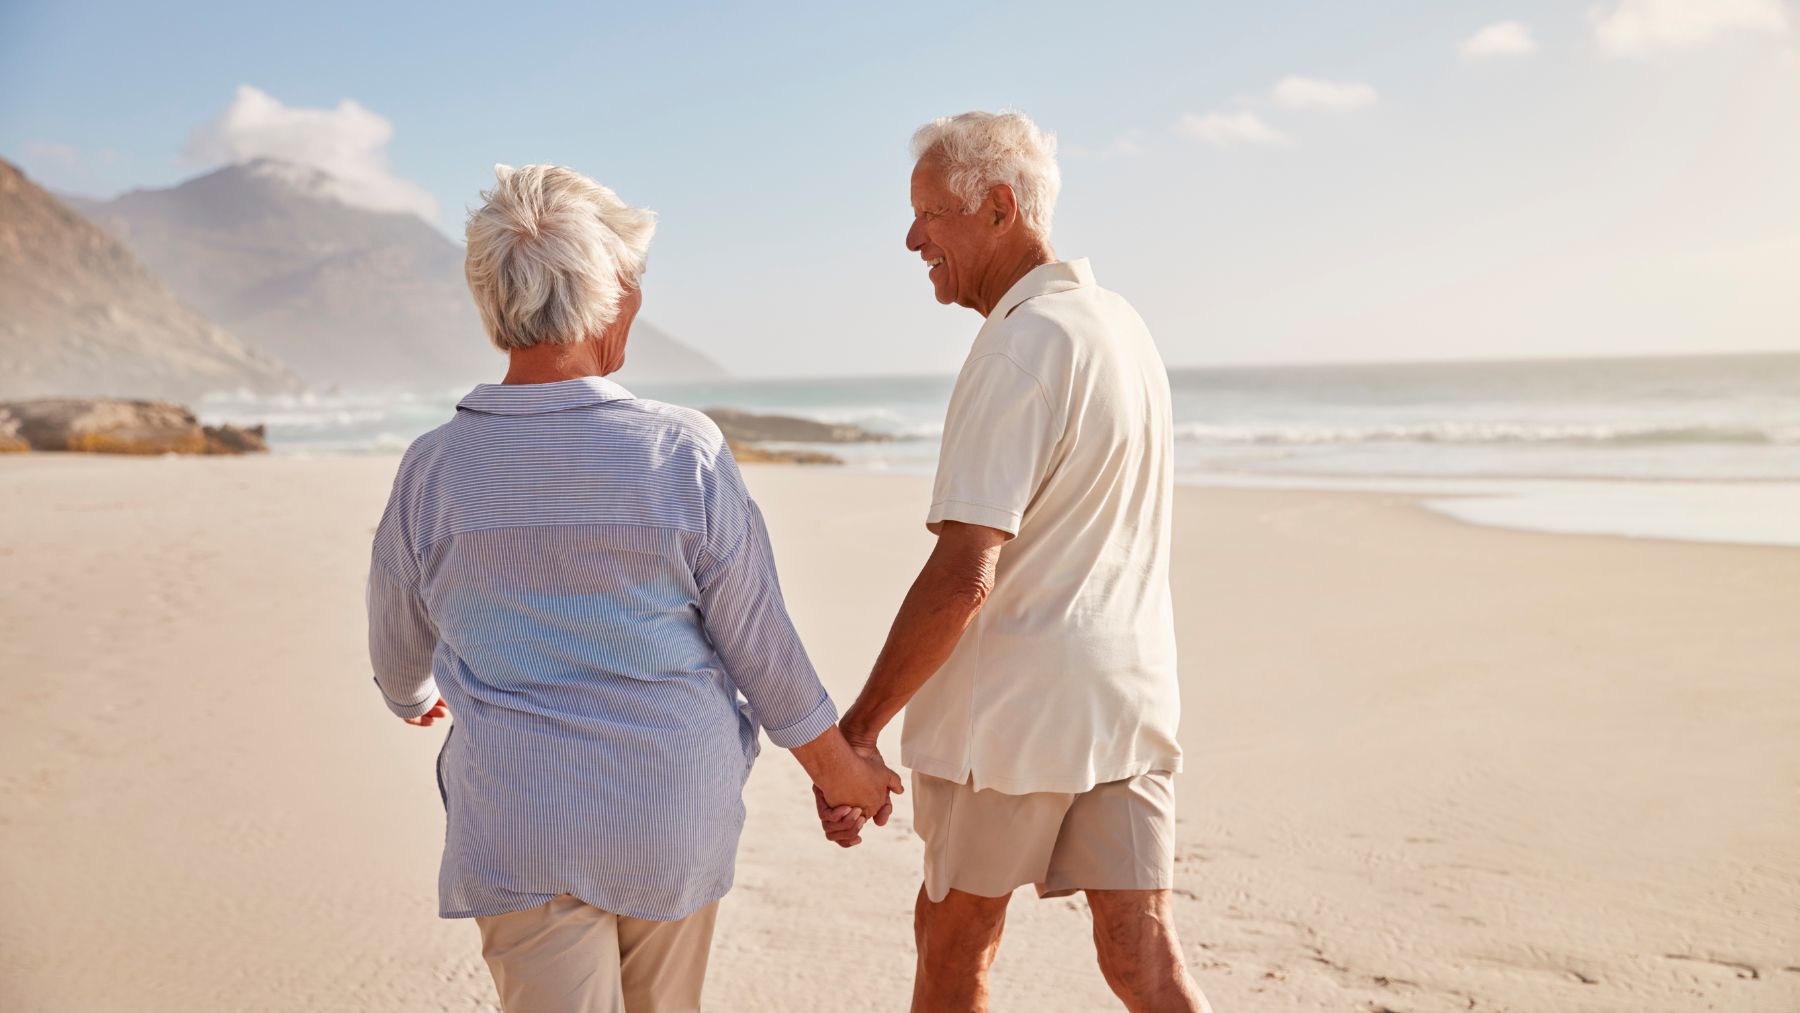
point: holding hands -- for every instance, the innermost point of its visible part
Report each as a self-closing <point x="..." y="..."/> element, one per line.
<point x="843" y="823"/>
<point x="851" y="785"/>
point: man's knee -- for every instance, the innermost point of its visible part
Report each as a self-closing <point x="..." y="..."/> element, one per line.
<point x="1125" y="964"/>
<point x="1140" y="951"/>
<point x="1135" y="938"/>
<point x="962" y="925"/>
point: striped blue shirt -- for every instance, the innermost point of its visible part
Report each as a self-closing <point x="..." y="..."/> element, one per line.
<point x="585" y="580"/>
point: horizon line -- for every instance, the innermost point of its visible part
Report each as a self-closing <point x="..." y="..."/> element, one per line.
<point x="1292" y="365"/>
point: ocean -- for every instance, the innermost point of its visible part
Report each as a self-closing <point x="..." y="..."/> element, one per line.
<point x="1701" y="448"/>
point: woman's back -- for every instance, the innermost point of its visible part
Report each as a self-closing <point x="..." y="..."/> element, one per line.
<point x="578" y="555"/>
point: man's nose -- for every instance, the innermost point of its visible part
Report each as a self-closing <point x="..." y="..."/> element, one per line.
<point x="915" y="236"/>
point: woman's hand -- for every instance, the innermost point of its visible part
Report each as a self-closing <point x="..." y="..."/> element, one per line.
<point x="425" y="720"/>
<point x="843" y="824"/>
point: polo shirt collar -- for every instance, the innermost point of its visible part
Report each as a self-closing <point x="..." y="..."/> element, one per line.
<point x="539" y="398"/>
<point x="1046" y="279"/>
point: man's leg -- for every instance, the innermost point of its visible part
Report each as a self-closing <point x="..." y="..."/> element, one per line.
<point x="1140" y="952"/>
<point x="559" y="957"/>
<point x="979" y="847"/>
<point x="958" y="938"/>
<point x="662" y="965"/>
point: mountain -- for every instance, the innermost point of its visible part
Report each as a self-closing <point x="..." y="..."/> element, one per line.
<point x="346" y="296"/>
<point x="79" y="314"/>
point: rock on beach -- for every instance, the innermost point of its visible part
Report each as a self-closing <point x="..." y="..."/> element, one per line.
<point x="118" y="426"/>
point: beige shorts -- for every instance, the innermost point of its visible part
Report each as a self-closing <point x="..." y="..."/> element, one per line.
<point x="1114" y="836"/>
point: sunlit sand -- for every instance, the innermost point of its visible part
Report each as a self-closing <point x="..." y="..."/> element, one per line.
<point x="1431" y="766"/>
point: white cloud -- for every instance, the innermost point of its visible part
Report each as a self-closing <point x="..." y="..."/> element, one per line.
<point x="53" y="151"/>
<point x="1508" y="38"/>
<point x="1643" y="27"/>
<point x="348" y="143"/>
<point x="1243" y="127"/>
<point x="1227" y="130"/>
<point x="1312" y="93"/>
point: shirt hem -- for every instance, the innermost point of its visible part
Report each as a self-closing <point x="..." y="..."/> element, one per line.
<point x="533" y="900"/>
<point x="962" y="773"/>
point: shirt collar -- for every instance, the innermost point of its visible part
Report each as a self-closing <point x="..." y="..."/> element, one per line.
<point x="539" y="398"/>
<point x="1045" y="279"/>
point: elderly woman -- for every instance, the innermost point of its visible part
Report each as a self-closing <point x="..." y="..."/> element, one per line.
<point x="581" y="578"/>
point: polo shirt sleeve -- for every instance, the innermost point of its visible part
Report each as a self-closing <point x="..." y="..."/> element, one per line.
<point x="999" y="436"/>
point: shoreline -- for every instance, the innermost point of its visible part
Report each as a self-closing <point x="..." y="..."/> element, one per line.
<point x="1534" y="504"/>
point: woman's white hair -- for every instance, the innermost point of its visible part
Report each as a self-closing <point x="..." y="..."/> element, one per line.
<point x="982" y="150"/>
<point x="550" y="255"/>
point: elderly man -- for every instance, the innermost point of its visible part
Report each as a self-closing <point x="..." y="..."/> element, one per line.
<point x="1035" y="653"/>
<point x="583" y="577"/>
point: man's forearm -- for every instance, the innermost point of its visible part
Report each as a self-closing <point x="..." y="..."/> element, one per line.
<point x="842" y="777"/>
<point x="941" y="604"/>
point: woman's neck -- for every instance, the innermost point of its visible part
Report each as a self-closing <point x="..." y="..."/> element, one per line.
<point x="554" y="363"/>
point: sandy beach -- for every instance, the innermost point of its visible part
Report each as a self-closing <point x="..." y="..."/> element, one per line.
<point x="1430" y="766"/>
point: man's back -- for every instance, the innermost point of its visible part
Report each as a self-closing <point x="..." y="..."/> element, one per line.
<point x="1059" y="432"/>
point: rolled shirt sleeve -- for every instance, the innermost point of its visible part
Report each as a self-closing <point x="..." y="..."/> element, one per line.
<point x="401" y="642"/>
<point x="747" y="620"/>
<point x="999" y="435"/>
<point x="402" y="638"/>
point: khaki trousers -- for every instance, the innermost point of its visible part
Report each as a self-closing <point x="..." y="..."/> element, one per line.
<point x="566" y="956"/>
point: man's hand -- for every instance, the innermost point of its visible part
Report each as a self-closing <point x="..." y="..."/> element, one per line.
<point x="427" y="719"/>
<point x="849" y="784"/>
<point x="862" y="782"/>
<point x="843" y="824"/>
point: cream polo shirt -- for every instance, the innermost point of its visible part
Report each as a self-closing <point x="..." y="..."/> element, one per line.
<point x="1060" y="433"/>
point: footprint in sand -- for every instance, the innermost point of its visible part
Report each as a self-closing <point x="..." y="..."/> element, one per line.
<point x="1738" y="968"/>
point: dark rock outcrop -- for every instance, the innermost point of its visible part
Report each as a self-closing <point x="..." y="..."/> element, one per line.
<point x="111" y="426"/>
<point x="750" y="428"/>
<point x="229" y="439"/>
<point x="746" y="454"/>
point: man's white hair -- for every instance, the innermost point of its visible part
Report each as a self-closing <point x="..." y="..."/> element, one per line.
<point x="982" y="150"/>
<point x="550" y="255"/>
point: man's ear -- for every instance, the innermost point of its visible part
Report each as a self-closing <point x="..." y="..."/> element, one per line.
<point x="1004" y="205"/>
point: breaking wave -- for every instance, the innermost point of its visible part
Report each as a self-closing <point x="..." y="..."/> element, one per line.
<point x="1485" y="433"/>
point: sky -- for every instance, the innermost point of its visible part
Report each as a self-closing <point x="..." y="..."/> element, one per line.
<point x="1277" y="182"/>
